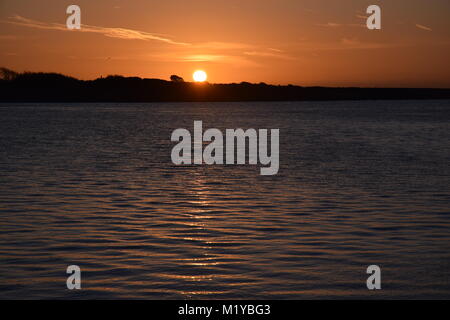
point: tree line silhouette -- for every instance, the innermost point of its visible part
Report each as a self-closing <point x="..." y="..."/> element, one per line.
<point x="54" y="87"/>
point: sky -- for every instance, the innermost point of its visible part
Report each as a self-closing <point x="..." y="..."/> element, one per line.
<point x="302" y="42"/>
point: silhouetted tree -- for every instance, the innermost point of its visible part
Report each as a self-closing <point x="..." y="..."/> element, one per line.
<point x="7" y="74"/>
<point x="175" y="78"/>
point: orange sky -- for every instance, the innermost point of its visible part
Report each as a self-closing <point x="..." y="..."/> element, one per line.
<point x="304" y="42"/>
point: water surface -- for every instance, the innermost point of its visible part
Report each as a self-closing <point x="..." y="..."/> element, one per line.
<point x="93" y="185"/>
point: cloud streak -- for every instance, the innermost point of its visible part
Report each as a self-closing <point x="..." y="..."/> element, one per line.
<point x="423" y="27"/>
<point x="204" y="58"/>
<point x="119" y="33"/>
<point x="338" y="25"/>
<point x="214" y="58"/>
<point x="330" y="25"/>
<point x="230" y="52"/>
<point x="270" y="53"/>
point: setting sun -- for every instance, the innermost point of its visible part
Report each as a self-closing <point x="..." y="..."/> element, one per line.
<point x="200" y="76"/>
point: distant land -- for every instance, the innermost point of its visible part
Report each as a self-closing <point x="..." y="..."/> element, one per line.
<point x="53" y="87"/>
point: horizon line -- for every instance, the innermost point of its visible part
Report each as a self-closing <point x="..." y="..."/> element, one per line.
<point x="222" y="83"/>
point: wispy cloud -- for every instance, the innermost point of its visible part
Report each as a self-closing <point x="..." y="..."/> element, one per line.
<point x="232" y="59"/>
<point x="274" y="49"/>
<point x="423" y="27"/>
<point x="338" y="25"/>
<point x="204" y="58"/>
<point x="217" y="45"/>
<point x="361" y="15"/>
<point x="330" y="25"/>
<point x="354" y="43"/>
<point x="345" y="43"/>
<point x="120" y="33"/>
<point x="269" y="53"/>
<point x="124" y="33"/>
<point x="220" y="52"/>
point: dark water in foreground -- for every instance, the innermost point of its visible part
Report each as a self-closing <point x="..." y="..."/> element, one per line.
<point x="93" y="185"/>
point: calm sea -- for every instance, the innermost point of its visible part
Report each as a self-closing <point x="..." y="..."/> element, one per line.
<point x="93" y="185"/>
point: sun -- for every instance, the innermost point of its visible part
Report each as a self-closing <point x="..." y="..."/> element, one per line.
<point x="200" y="76"/>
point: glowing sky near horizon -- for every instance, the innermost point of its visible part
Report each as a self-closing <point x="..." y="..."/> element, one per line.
<point x="304" y="42"/>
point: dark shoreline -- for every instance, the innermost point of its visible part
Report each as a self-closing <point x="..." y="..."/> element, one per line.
<point x="51" y="87"/>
